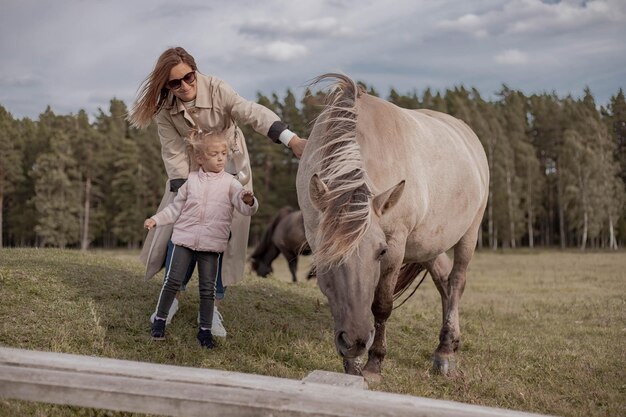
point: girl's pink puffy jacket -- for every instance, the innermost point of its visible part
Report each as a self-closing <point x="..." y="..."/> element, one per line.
<point x="202" y="211"/>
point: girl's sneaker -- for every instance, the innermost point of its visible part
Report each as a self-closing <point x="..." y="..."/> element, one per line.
<point x="205" y="338"/>
<point x="217" y="326"/>
<point x="158" y="330"/>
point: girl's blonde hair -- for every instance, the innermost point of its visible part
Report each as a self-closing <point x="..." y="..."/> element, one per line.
<point x="152" y="92"/>
<point x="198" y="142"/>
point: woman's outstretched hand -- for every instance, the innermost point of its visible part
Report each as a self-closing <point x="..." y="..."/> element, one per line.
<point x="297" y="145"/>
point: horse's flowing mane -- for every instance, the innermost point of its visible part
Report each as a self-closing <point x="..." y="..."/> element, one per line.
<point x="347" y="214"/>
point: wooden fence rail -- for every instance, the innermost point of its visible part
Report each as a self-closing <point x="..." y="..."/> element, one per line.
<point x="182" y="391"/>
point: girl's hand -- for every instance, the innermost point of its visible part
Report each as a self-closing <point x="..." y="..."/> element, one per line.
<point x="247" y="197"/>
<point x="149" y="224"/>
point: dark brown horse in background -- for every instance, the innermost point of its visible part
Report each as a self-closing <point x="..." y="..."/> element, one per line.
<point x="285" y="234"/>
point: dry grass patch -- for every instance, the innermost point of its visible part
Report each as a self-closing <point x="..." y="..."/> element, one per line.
<point x="543" y="331"/>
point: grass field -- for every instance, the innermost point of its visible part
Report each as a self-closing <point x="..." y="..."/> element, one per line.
<point x="543" y="331"/>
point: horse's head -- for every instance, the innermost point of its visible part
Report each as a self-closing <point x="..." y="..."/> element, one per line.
<point x="349" y="252"/>
<point x="262" y="269"/>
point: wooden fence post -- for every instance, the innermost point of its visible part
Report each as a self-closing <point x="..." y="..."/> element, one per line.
<point x="182" y="391"/>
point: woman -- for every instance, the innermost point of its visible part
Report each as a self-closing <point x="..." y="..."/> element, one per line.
<point x="181" y="99"/>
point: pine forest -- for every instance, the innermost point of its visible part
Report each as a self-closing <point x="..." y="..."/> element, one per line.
<point x="557" y="164"/>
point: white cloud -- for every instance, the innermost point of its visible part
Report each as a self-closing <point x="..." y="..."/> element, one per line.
<point x="562" y="16"/>
<point x="75" y="54"/>
<point x="279" y="51"/>
<point x="468" y="23"/>
<point x="325" y="27"/>
<point x="511" y="57"/>
<point x="22" y="80"/>
<point x="531" y="17"/>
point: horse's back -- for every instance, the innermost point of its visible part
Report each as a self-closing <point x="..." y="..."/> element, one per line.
<point x="452" y="121"/>
<point x="418" y="145"/>
<point x="444" y="165"/>
<point x="289" y="234"/>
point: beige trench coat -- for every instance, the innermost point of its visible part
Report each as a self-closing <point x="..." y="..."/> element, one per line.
<point x="218" y="107"/>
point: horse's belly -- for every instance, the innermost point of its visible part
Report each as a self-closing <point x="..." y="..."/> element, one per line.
<point x="436" y="234"/>
<point x="419" y="249"/>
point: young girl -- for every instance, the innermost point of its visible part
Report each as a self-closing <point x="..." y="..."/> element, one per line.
<point x="202" y="213"/>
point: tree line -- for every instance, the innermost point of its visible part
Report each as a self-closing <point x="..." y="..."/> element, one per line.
<point x="557" y="165"/>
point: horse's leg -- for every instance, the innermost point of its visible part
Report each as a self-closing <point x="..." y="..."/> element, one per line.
<point x="312" y="273"/>
<point x="381" y="308"/>
<point x="450" y="336"/>
<point x="439" y="270"/>
<point x="292" y="260"/>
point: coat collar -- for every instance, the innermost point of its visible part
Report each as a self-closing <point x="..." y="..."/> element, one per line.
<point x="204" y="98"/>
<point x="204" y="176"/>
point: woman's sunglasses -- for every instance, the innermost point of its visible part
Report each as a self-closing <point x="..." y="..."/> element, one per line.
<point x="176" y="84"/>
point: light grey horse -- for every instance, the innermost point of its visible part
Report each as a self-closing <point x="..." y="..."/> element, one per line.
<point x="384" y="193"/>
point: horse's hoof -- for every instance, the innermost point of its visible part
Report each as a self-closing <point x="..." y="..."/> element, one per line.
<point x="372" y="378"/>
<point x="444" y="365"/>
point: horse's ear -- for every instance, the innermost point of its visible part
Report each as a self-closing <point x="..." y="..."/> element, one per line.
<point x="317" y="192"/>
<point x="386" y="200"/>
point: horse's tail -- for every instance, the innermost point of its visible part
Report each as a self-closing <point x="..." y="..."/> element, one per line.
<point x="266" y="239"/>
<point x="407" y="275"/>
<point x="304" y="249"/>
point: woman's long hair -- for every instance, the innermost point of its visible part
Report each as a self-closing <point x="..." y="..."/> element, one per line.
<point x="152" y="92"/>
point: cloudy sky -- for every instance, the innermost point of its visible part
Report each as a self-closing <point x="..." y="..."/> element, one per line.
<point x="78" y="54"/>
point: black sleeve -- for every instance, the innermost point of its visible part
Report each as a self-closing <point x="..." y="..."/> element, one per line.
<point x="276" y="129"/>
<point x="175" y="184"/>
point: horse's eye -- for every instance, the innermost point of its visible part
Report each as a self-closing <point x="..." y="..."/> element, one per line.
<point x="382" y="253"/>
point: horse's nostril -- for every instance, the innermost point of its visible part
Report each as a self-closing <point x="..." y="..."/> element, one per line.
<point x="342" y="341"/>
<point x="351" y="347"/>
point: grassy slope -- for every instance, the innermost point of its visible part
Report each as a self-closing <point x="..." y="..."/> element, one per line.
<point x="543" y="331"/>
